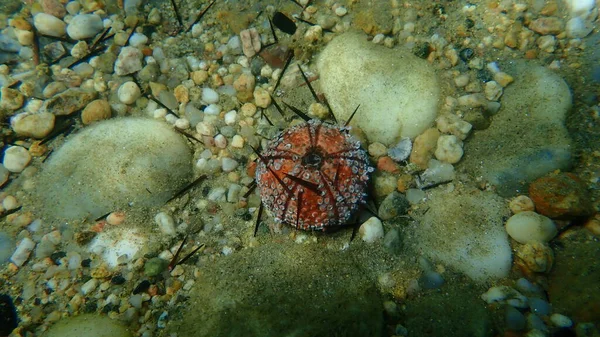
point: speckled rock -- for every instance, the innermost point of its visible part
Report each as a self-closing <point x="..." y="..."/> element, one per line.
<point x="68" y="101"/>
<point x="242" y="303"/>
<point x="129" y="61"/>
<point x="37" y="125"/>
<point x="560" y="195"/>
<point x="95" y="111"/>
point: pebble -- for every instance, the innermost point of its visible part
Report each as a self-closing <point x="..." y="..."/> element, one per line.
<point x="472" y="100"/>
<point x="230" y="117"/>
<point x="560" y="195"/>
<point x="313" y="34"/>
<point x="547" y="25"/>
<point x="503" y="79"/>
<point x="248" y="109"/>
<point x="16" y="158"/>
<point x="228" y="164"/>
<point x="250" y="42"/>
<point x="210" y="96"/>
<point x="165" y="223"/>
<point x="10" y="203"/>
<point x="521" y="203"/>
<point x="318" y="110"/>
<point x="181" y="93"/>
<point x="4" y="174"/>
<point x="450" y="123"/>
<point x="95" y="111"/>
<point x="138" y="40"/>
<point x="561" y="321"/>
<point x="36" y="125"/>
<point x="89" y="286"/>
<point x="529" y="226"/>
<point x="371" y="230"/>
<point x="233" y="193"/>
<point x="237" y="141"/>
<point x="449" y="149"/>
<point x="129" y="61"/>
<point x="377" y="149"/>
<point x="47" y="24"/>
<point x="129" y="92"/>
<point x="393" y="205"/>
<point x="83" y="26"/>
<point x="423" y="147"/>
<point x="535" y="256"/>
<point x="401" y="151"/>
<point x="22" y="252"/>
<point x="53" y="7"/>
<point x="11" y="99"/>
<point x="69" y="101"/>
<point x="462" y="80"/>
<point x="262" y="99"/>
<point x="341" y="11"/>
<point x="493" y="90"/>
<point x="212" y="109"/>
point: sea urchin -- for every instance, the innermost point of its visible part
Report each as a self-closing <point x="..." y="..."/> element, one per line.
<point x="313" y="176"/>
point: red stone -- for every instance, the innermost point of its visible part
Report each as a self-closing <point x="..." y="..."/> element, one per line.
<point x="560" y="195"/>
<point x="313" y="176"/>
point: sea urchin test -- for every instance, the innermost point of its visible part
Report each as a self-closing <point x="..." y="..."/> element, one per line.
<point x="313" y="176"/>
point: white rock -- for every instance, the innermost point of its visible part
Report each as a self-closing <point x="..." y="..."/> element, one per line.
<point x="230" y="117"/>
<point x="397" y="99"/>
<point x="580" y="7"/>
<point x="48" y="24"/>
<point x="578" y="27"/>
<point x="129" y="61"/>
<point x="472" y="100"/>
<point x="529" y="226"/>
<point x="449" y="149"/>
<point x="220" y="141"/>
<point x="22" y="252"/>
<point x="493" y="90"/>
<point x="401" y="150"/>
<point x="437" y="172"/>
<point x="10" y="202"/>
<point x="250" y="42"/>
<point x="371" y="230"/>
<point x="212" y="109"/>
<point x="341" y="11"/>
<point x="137" y="40"/>
<point x="129" y="92"/>
<point x="165" y="223"/>
<point x="237" y="141"/>
<point x="84" y="26"/>
<point x="16" y="158"/>
<point x="89" y="286"/>
<point x="210" y="96"/>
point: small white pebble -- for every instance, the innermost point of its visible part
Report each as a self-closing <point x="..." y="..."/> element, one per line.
<point x="237" y="141"/>
<point x="230" y="117"/>
<point x="10" y="203"/>
<point x="220" y="141"/>
<point x="16" y="158"/>
<point x="159" y="113"/>
<point x="182" y="123"/>
<point x="212" y="109"/>
<point x="209" y="96"/>
<point x="165" y="223"/>
<point x="228" y="164"/>
<point x="129" y="92"/>
<point x="341" y="11"/>
<point x="89" y="286"/>
<point x="371" y="230"/>
<point x="561" y="321"/>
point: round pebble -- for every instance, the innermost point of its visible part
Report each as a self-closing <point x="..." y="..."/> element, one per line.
<point x="529" y="226"/>
<point x="16" y="158"/>
<point x="561" y="321"/>
<point x="95" y="111"/>
<point x="449" y="149"/>
<point x="521" y="203"/>
<point x="129" y="92"/>
<point x="210" y="96"/>
<point x="228" y="164"/>
<point x="84" y="26"/>
<point x="262" y="99"/>
<point x="50" y="25"/>
<point x="165" y="223"/>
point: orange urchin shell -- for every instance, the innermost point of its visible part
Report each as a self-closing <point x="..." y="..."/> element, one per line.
<point x="313" y="176"/>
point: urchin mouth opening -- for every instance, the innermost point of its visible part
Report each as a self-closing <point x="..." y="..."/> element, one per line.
<point x="313" y="158"/>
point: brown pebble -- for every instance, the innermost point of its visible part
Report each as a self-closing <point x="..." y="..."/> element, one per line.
<point x="560" y="195"/>
<point x="95" y="111"/>
<point x="547" y="25"/>
<point x="20" y="23"/>
<point x="423" y="147"/>
<point x="100" y="272"/>
<point x="54" y="7"/>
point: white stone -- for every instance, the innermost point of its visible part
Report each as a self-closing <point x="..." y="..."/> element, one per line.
<point x="493" y="90"/>
<point x="165" y="223"/>
<point x="580" y="7"/>
<point x="237" y="141"/>
<point x="10" y="202"/>
<point x="210" y="96"/>
<point x="397" y="98"/>
<point x="230" y="117"/>
<point x="83" y="26"/>
<point x="22" y="252"/>
<point x="341" y="11"/>
<point x="89" y="286"/>
<point x="371" y="230"/>
<point x="129" y="61"/>
<point x="138" y="40"/>
<point x="129" y="92"/>
<point x="578" y="27"/>
<point x="220" y="141"/>
<point x="182" y="123"/>
<point x="50" y="25"/>
<point x="16" y="158"/>
<point x="449" y="149"/>
<point x="472" y="100"/>
<point x="437" y="172"/>
<point x="529" y="226"/>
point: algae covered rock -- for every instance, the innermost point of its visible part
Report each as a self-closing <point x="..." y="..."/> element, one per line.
<point x="282" y="289"/>
<point x="89" y="325"/>
<point x="114" y="164"/>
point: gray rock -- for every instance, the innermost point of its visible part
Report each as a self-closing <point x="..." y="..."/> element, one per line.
<point x="112" y="164"/>
<point x="527" y="138"/>
<point x="84" y="26"/>
<point x="282" y="289"/>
